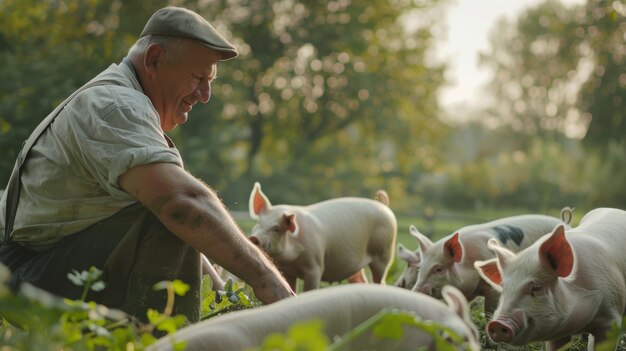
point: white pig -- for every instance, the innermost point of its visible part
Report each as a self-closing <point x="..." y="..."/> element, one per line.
<point x="341" y="308"/>
<point x="450" y="260"/>
<point x="328" y="241"/>
<point x="571" y="281"/>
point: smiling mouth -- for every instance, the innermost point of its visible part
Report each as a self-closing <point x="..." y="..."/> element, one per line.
<point x="187" y="106"/>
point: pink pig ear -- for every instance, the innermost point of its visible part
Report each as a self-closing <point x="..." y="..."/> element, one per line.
<point x="290" y="224"/>
<point x="258" y="202"/>
<point x="557" y="252"/>
<point x="453" y="248"/>
<point x="490" y="272"/>
<point x="424" y="242"/>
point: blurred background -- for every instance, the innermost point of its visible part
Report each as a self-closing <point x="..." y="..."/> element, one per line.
<point x="461" y="108"/>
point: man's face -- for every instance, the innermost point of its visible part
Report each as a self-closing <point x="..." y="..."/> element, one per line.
<point x="183" y="82"/>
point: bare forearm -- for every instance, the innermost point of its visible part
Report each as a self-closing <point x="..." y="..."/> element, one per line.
<point x="204" y="223"/>
<point x="194" y="213"/>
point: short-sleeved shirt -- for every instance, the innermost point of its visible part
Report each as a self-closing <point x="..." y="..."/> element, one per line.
<point x="70" y="179"/>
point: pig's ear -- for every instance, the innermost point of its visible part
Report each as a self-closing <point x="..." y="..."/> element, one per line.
<point x="290" y="224"/>
<point x="456" y="301"/>
<point x="452" y="248"/>
<point x="503" y="255"/>
<point x="411" y="257"/>
<point x="490" y="272"/>
<point x="557" y="253"/>
<point x="422" y="239"/>
<point x="258" y="202"/>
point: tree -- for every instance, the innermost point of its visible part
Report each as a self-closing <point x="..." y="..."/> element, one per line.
<point x="327" y="97"/>
<point x="47" y="50"/>
<point x="558" y="70"/>
<point x="603" y="96"/>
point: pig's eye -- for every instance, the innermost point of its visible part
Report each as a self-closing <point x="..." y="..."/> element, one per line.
<point x="438" y="270"/>
<point x="537" y="290"/>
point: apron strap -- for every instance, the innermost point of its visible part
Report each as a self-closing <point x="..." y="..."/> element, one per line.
<point x="15" y="183"/>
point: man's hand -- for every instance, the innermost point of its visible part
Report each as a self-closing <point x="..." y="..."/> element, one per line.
<point x="194" y="213"/>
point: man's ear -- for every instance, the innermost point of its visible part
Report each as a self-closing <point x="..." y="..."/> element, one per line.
<point x="151" y="57"/>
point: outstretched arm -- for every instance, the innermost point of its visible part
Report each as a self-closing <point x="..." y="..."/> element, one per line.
<point x="192" y="211"/>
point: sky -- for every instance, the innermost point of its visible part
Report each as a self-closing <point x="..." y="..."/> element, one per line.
<point x="469" y="23"/>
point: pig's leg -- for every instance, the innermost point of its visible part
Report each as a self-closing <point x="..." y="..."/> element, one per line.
<point x="591" y="345"/>
<point x="491" y="301"/>
<point x="208" y="269"/>
<point x="379" y="266"/>
<point x="358" y="277"/>
<point x="312" y="280"/>
<point x="554" y="345"/>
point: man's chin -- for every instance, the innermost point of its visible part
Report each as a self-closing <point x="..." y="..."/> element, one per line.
<point x="180" y="120"/>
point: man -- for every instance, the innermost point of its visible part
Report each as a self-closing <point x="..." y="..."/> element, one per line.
<point x="104" y="186"/>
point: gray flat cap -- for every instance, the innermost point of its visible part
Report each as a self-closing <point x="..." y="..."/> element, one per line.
<point x="184" y="23"/>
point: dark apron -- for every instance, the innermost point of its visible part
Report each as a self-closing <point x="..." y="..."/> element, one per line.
<point x="134" y="251"/>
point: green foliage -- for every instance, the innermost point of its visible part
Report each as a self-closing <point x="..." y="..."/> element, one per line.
<point x="314" y="84"/>
<point x="47" y="49"/>
<point x="89" y="279"/>
<point x="36" y="320"/>
<point x="559" y="71"/>
<point x="234" y="297"/>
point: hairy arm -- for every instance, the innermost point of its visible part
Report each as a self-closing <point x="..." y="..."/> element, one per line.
<point x="193" y="212"/>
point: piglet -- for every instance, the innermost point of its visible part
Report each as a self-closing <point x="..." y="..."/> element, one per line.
<point x="328" y="241"/>
<point x="340" y="308"/>
<point x="450" y="260"/>
<point x="412" y="258"/>
<point x="571" y="281"/>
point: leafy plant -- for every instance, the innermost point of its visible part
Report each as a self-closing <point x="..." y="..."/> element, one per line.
<point x="234" y="297"/>
<point x="34" y="319"/>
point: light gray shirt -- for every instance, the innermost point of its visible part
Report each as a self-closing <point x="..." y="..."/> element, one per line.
<point x="70" y="179"/>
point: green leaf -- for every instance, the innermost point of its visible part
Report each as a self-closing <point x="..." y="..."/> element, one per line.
<point x="180" y="288"/>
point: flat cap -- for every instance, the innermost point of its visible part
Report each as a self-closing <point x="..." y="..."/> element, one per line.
<point x="180" y="22"/>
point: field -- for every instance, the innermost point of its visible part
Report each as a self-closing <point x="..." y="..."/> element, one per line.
<point x="51" y="324"/>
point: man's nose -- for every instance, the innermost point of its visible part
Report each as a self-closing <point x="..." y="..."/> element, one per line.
<point x="203" y="92"/>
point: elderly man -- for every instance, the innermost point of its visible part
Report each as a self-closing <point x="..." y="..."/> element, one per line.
<point x="98" y="183"/>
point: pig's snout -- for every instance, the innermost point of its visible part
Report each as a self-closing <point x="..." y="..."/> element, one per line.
<point x="500" y="331"/>
<point x="255" y="240"/>
<point x="424" y="289"/>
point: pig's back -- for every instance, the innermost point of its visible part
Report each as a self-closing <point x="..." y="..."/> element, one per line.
<point x="515" y="232"/>
<point x="340" y="308"/>
<point x="601" y="236"/>
<point x="361" y="229"/>
<point x="341" y="209"/>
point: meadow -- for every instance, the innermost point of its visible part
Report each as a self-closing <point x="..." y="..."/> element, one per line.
<point x="48" y="323"/>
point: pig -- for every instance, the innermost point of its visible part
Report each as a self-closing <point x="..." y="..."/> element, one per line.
<point x="340" y="308"/>
<point x="571" y="281"/>
<point x="327" y="241"/>
<point x="450" y="260"/>
<point x="409" y="276"/>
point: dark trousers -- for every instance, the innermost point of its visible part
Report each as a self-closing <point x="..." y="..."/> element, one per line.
<point x="134" y="251"/>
